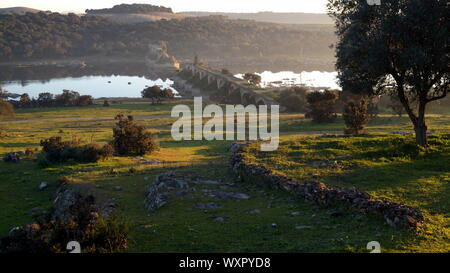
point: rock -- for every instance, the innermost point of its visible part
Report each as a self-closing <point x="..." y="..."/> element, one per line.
<point x="12" y="158"/>
<point x="241" y="196"/>
<point x="336" y="213"/>
<point x="43" y="186"/>
<point x="220" y="219"/>
<point x="303" y="227"/>
<point x="36" y="211"/>
<point x="210" y="205"/>
<point x="222" y="195"/>
<point x="206" y="182"/>
<point x="274" y="225"/>
<point x="117" y="188"/>
<point x="165" y="185"/>
<point x="296" y="213"/>
<point x="235" y="147"/>
<point x="254" y="211"/>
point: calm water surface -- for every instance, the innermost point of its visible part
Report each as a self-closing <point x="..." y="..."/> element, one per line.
<point x="289" y="78"/>
<point x="96" y="86"/>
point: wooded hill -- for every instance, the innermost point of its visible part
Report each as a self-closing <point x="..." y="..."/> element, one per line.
<point x="53" y="35"/>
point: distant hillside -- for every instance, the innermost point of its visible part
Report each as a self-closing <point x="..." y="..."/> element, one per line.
<point x="127" y="9"/>
<point x="272" y="17"/>
<point x="136" y="13"/>
<point x="18" y="10"/>
<point x="139" y="18"/>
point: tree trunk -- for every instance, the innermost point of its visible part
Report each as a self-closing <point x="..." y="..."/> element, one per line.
<point x="420" y="127"/>
<point x="421" y="135"/>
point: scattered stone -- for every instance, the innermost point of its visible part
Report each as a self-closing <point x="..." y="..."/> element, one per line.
<point x="210" y="205"/>
<point x="165" y="185"/>
<point x="43" y="186"/>
<point x="235" y="147"/>
<point x="117" y="188"/>
<point x="241" y="196"/>
<point x="220" y="219"/>
<point x="36" y="211"/>
<point x="222" y="195"/>
<point x="206" y="182"/>
<point x="303" y="227"/>
<point x="254" y="211"/>
<point x="336" y="213"/>
<point x="274" y="225"/>
<point x="12" y="157"/>
<point x="296" y="213"/>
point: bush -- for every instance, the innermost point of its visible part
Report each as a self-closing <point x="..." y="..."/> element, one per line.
<point x="321" y="105"/>
<point x="356" y="116"/>
<point x="6" y="109"/>
<point x="131" y="138"/>
<point x="56" y="150"/>
<point x="294" y="99"/>
<point x="95" y="234"/>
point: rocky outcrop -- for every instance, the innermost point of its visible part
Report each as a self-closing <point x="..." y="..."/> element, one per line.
<point x="159" y="192"/>
<point x="67" y="201"/>
<point x="171" y="185"/>
<point x="395" y="214"/>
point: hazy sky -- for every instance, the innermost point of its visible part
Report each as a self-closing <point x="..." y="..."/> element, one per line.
<point x="314" y="6"/>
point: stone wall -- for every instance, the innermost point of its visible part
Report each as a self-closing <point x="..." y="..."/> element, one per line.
<point x="395" y="214"/>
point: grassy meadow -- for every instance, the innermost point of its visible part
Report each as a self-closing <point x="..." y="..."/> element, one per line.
<point x="379" y="163"/>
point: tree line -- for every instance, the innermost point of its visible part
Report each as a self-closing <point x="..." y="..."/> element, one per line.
<point x="53" y="35"/>
<point x="66" y="99"/>
<point x="130" y="8"/>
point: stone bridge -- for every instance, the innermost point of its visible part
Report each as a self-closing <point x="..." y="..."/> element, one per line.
<point x="235" y="89"/>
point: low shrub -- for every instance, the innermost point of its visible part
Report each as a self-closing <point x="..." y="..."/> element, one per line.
<point x="322" y="106"/>
<point x="356" y="116"/>
<point x="56" y="150"/>
<point x="131" y="138"/>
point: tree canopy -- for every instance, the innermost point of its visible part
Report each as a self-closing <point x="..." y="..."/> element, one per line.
<point x="400" y="45"/>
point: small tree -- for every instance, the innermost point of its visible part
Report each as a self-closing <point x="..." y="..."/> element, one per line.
<point x="322" y="106"/>
<point x="106" y="103"/>
<point x="131" y="138"/>
<point x="294" y="99"/>
<point x="156" y="94"/>
<point x="85" y="100"/>
<point x="252" y="78"/>
<point x="25" y="100"/>
<point x="356" y="116"/>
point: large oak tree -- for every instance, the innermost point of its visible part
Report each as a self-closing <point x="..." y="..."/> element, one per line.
<point x="401" y="46"/>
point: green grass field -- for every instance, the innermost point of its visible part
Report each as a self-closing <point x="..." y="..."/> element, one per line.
<point x="367" y="163"/>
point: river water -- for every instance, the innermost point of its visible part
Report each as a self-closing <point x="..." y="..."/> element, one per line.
<point x="96" y="86"/>
<point x="127" y="80"/>
<point x="289" y="78"/>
